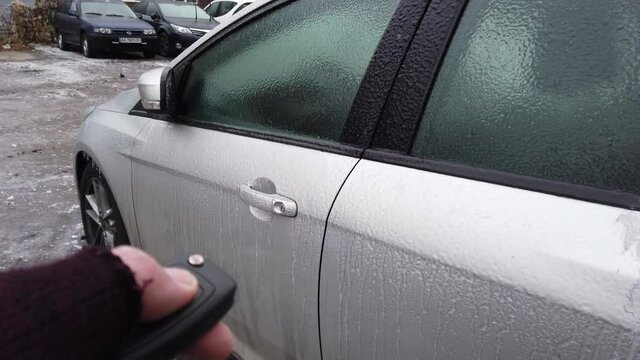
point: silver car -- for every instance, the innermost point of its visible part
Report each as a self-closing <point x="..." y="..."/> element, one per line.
<point x="392" y="179"/>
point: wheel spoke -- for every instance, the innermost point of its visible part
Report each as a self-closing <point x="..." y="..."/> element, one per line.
<point x="96" y="237"/>
<point x="101" y="196"/>
<point x="92" y="202"/>
<point x="109" y="238"/>
<point x="94" y="216"/>
<point x="101" y="219"/>
<point x="107" y="213"/>
<point x="95" y="185"/>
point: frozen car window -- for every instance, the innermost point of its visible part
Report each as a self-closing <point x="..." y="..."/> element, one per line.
<point x="545" y="89"/>
<point x="294" y="70"/>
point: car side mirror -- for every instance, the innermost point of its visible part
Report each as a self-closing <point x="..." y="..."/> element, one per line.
<point x="156" y="18"/>
<point x="146" y="18"/>
<point x="149" y="89"/>
<point x="158" y="90"/>
<point x="73" y="13"/>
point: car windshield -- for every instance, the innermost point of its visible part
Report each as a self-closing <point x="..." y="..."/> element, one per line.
<point x="106" y="9"/>
<point x="184" y="10"/>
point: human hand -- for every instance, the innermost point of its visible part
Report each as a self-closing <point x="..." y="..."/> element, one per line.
<point x="166" y="290"/>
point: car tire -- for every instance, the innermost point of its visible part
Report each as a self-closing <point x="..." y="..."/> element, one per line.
<point x="149" y="54"/>
<point x="87" y="47"/>
<point x="101" y="219"/>
<point x="165" y="45"/>
<point x="62" y="45"/>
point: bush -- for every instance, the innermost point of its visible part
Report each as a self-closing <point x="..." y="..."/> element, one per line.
<point x="29" y="25"/>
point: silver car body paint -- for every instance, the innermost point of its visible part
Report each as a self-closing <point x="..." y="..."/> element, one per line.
<point x="107" y="137"/>
<point x="149" y="89"/>
<point x="429" y="266"/>
<point x="415" y="264"/>
<point x="186" y="193"/>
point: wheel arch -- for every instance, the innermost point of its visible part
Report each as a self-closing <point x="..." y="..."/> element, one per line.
<point x="106" y="138"/>
<point x="81" y="161"/>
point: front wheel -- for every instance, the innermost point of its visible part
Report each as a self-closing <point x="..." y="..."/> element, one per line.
<point x="165" y="45"/>
<point x="101" y="219"/>
<point x="87" y="47"/>
<point x="61" y="43"/>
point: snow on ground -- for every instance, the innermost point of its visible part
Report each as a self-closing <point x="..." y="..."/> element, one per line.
<point x="41" y="104"/>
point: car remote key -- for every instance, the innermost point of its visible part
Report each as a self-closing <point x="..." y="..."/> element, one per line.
<point x="165" y="338"/>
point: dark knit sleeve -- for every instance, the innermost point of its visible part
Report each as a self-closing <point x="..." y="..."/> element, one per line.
<point x="77" y="308"/>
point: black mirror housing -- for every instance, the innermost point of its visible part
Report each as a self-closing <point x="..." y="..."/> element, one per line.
<point x="168" y="92"/>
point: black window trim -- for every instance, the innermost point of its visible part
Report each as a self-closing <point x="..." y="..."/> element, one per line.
<point x="396" y="29"/>
<point x="551" y="187"/>
<point x="403" y="112"/>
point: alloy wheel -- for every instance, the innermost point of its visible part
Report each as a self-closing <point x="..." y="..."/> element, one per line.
<point x="85" y="47"/>
<point x="100" y="215"/>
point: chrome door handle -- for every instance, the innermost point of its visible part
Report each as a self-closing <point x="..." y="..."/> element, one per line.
<point x="274" y="203"/>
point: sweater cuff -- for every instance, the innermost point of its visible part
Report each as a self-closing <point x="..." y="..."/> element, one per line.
<point x="81" y="307"/>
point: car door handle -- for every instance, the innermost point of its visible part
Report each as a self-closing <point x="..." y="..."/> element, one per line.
<point x="274" y="203"/>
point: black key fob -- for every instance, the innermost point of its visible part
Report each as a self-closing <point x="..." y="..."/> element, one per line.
<point x="166" y="338"/>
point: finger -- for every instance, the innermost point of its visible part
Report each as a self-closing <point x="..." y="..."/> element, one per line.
<point x="216" y="344"/>
<point x="163" y="290"/>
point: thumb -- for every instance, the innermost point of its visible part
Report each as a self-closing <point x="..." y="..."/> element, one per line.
<point x="164" y="290"/>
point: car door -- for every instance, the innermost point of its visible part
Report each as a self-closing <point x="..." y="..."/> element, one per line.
<point x="62" y="19"/>
<point x="496" y="214"/>
<point x="73" y="23"/>
<point x="247" y="172"/>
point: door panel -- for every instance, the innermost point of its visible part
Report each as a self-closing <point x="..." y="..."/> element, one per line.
<point x="429" y="266"/>
<point x="186" y="185"/>
<point x="65" y="26"/>
<point x="73" y="25"/>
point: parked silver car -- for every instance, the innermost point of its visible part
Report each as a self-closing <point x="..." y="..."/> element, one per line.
<point x="388" y="179"/>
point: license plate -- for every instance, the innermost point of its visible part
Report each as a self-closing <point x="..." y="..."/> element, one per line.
<point x="131" y="40"/>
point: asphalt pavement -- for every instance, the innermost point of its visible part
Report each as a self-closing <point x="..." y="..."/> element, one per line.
<point x="43" y="95"/>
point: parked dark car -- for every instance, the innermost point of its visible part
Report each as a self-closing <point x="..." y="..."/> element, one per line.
<point x="178" y="24"/>
<point x="103" y="25"/>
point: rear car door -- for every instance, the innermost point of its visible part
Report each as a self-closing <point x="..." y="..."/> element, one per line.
<point x="247" y="173"/>
<point x="496" y="214"/>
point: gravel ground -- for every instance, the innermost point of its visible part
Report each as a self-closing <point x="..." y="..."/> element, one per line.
<point x="43" y="94"/>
